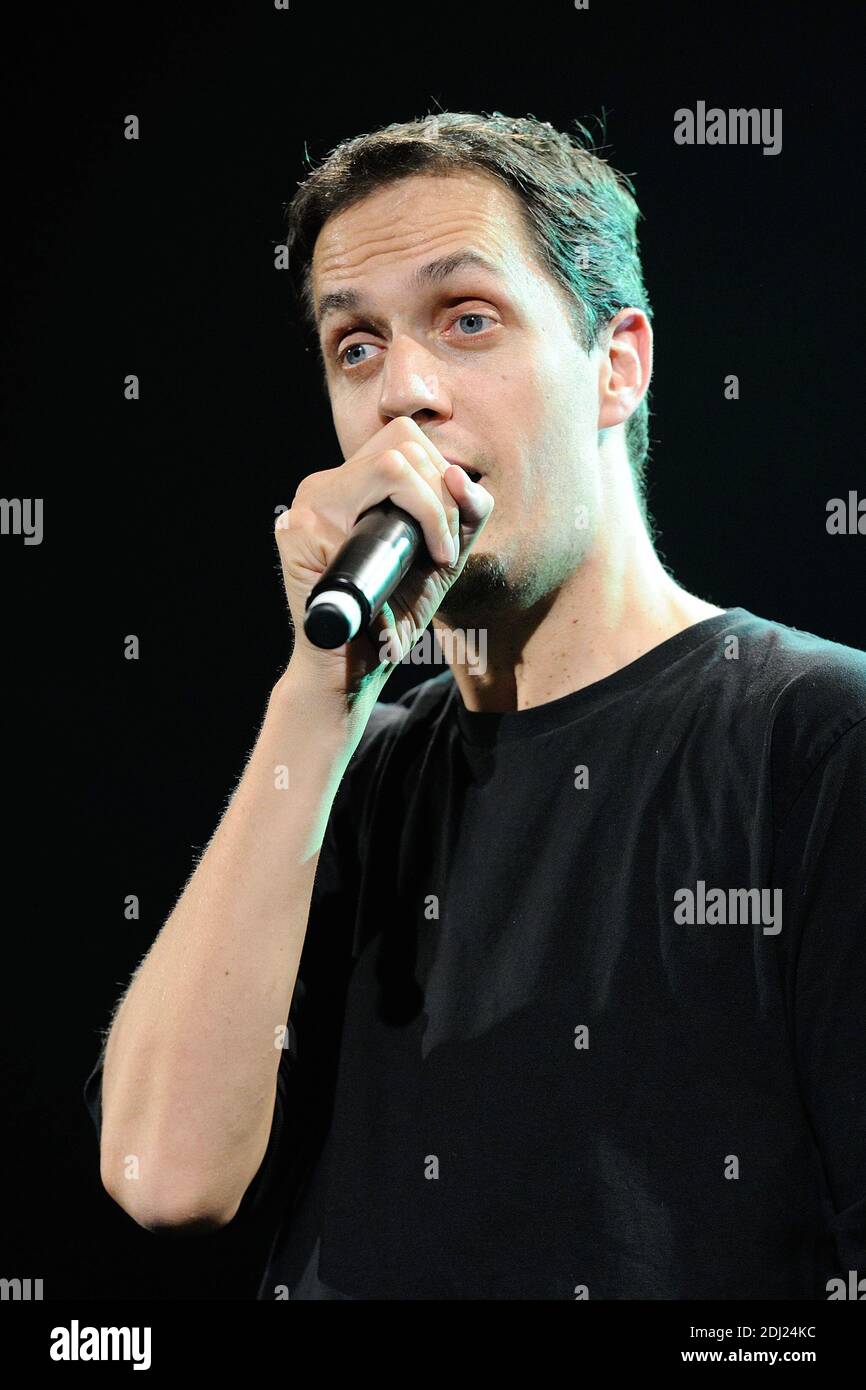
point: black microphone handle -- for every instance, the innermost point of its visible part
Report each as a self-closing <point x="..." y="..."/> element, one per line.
<point x="362" y="575"/>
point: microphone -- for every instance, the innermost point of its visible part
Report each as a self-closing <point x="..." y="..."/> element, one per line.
<point x="362" y="575"/>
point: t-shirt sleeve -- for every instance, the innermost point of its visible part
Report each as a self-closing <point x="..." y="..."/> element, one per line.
<point x="307" y="1065"/>
<point x="820" y="865"/>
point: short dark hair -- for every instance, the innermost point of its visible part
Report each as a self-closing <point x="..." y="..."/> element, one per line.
<point x="581" y="214"/>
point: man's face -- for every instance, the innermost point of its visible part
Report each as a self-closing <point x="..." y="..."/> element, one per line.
<point x="483" y="359"/>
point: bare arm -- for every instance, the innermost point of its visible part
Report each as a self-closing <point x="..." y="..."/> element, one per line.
<point x="190" y="1068"/>
<point x="189" y="1077"/>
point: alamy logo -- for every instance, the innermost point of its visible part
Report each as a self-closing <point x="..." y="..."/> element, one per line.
<point x="715" y="907"/>
<point x="17" y="518"/>
<point x="847" y="519"/>
<point x="101" y="1344"/>
<point x="738" y="126"/>
<point x="855" y="1288"/>
<point x="434" y="647"/>
<point x="20" y="1290"/>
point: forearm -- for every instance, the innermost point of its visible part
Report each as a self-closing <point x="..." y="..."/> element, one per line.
<point x="191" y="1061"/>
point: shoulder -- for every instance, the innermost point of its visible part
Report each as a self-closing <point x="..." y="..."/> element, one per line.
<point x="804" y="679"/>
<point x="810" y="692"/>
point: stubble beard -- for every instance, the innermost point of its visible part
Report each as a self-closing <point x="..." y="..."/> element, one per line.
<point x="485" y="593"/>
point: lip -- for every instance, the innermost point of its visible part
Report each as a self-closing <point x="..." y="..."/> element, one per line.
<point x="458" y="463"/>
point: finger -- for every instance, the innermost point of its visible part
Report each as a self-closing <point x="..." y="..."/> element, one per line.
<point x="421" y="499"/>
<point x="474" y="501"/>
<point x="430" y="470"/>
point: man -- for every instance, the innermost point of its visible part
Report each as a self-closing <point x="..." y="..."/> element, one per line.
<point x="579" y="1009"/>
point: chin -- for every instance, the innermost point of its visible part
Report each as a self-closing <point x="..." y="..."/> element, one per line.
<point x="482" y="588"/>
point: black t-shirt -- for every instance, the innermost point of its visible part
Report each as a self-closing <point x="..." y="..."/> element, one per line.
<point x="545" y="1042"/>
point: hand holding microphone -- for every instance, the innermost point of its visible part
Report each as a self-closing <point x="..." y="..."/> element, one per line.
<point x="379" y="531"/>
<point x="362" y="575"/>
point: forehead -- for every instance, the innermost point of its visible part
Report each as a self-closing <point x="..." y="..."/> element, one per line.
<point x="400" y="226"/>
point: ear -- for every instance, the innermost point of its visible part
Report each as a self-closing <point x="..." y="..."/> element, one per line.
<point x="624" y="374"/>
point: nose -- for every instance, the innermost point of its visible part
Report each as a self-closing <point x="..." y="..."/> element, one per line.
<point x="412" y="383"/>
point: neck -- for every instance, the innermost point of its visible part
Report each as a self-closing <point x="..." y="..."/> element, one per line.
<point x="616" y="605"/>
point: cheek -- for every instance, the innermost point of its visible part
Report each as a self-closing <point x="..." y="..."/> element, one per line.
<point x="349" y="429"/>
<point x="519" y="395"/>
<point x="533" y="403"/>
<point x="547" y="373"/>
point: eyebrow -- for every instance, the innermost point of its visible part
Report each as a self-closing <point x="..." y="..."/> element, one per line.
<point x="433" y="273"/>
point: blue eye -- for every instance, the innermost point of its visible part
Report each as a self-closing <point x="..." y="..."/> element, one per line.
<point x="472" y="316"/>
<point x="351" y="348"/>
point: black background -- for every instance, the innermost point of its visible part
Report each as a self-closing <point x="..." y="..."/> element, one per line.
<point x="156" y="257"/>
